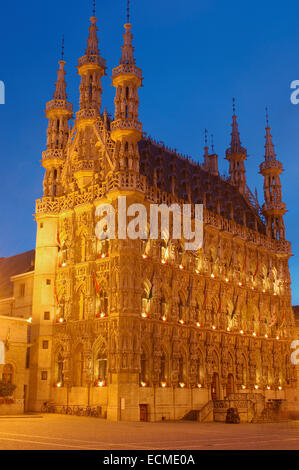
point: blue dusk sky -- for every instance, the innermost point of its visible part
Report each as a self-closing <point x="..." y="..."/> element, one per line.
<point x="195" y="57"/>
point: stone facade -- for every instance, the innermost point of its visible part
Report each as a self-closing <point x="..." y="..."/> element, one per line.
<point x="15" y="370"/>
<point x="143" y="328"/>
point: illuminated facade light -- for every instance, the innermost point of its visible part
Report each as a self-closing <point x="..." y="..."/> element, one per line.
<point x="163" y="384"/>
<point x="63" y="264"/>
<point x="164" y="318"/>
<point x="214" y="327"/>
<point x="100" y="383"/>
<point x="277" y="337"/>
<point x="29" y="320"/>
<point x="254" y="333"/>
<point x="213" y="275"/>
<point x="61" y="320"/>
<point x="181" y="384"/>
<point x="181" y="322"/>
<point x="279" y="388"/>
<point x="197" y="271"/>
<point x="226" y="279"/>
<point x="144" y="315"/>
<point x="242" y="332"/>
<point x="102" y="315"/>
<point x="58" y="384"/>
<point x="145" y="256"/>
<point x="256" y="387"/>
<point x="268" y="387"/>
<point x="266" y="336"/>
<point x="198" y="324"/>
<point x="199" y="386"/>
<point x="240" y="284"/>
<point x="163" y="261"/>
<point x="143" y="384"/>
<point x="228" y="328"/>
<point x="181" y="267"/>
<point x="103" y="255"/>
<point x="243" y="387"/>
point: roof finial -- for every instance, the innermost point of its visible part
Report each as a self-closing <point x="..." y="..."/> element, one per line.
<point x="206" y="137"/>
<point x="212" y="142"/>
<point x="234" y="106"/>
<point x="128" y="11"/>
<point x="62" y="48"/>
<point x="267" y="116"/>
<point x="94" y="8"/>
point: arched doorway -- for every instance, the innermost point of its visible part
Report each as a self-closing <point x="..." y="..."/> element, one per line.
<point x="230" y="384"/>
<point x="215" y="387"/>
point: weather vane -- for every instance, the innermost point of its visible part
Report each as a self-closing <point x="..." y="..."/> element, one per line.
<point x="62" y="48"/>
<point x="234" y="106"/>
<point x="267" y="115"/>
<point x="128" y="11"/>
<point x="206" y="137"/>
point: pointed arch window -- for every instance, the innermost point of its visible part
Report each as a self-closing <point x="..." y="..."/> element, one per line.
<point x="7" y="374"/>
<point x="60" y="367"/>
<point x="101" y="366"/>
<point x="78" y="367"/>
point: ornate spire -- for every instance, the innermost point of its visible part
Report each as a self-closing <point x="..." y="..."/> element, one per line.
<point x="60" y="85"/>
<point x="127" y="57"/>
<point x="91" y="67"/>
<point x="269" y="147"/>
<point x="126" y="130"/>
<point x="59" y="111"/>
<point x="92" y="40"/>
<point x="273" y="208"/>
<point x="206" y="151"/>
<point x="235" y="146"/>
<point x="236" y="155"/>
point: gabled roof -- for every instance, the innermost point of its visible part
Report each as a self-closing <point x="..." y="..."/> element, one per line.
<point x="18" y="264"/>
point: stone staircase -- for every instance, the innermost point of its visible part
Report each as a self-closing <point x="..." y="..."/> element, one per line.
<point x="252" y="408"/>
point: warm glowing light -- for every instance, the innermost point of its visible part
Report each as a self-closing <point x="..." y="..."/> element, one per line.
<point x="163" y="384"/>
<point x="144" y="256"/>
<point x="163" y="261"/>
<point x="243" y="387"/>
<point x="63" y="264"/>
<point x="59" y="384"/>
<point x="181" y="384"/>
<point x="212" y="275"/>
<point x="277" y="337"/>
<point x="199" y="385"/>
<point x="181" y="266"/>
<point x="268" y="388"/>
<point x="264" y="290"/>
<point x="228" y="328"/>
<point x="103" y="315"/>
<point x="29" y="320"/>
<point x="103" y="255"/>
<point x="144" y="315"/>
<point x="240" y="284"/>
<point x="254" y="333"/>
<point x="143" y="384"/>
<point x="242" y="332"/>
<point x="198" y="324"/>
<point x="214" y="327"/>
<point x="256" y="387"/>
<point x="226" y="279"/>
<point x="100" y="383"/>
<point x="279" y="388"/>
<point x="266" y="336"/>
<point x="61" y="320"/>
<point x="197" y="271"/>
<point x="181" y="322"/>
<point x="164" y="318"/>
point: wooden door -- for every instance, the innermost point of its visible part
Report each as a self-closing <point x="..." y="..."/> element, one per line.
<point x="143" y="412"/>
